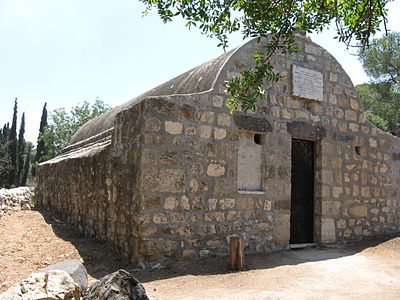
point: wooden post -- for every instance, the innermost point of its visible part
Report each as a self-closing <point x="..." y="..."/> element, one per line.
<point x="237" y="254"/>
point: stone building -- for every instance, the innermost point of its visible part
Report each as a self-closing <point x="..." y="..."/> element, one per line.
<point x="171" y="174"/>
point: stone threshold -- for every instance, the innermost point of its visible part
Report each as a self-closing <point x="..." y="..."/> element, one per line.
<point x="302" y="245"/>
<point x="251" y="192"/>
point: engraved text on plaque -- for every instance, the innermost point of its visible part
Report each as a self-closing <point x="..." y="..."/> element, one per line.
<point x="307" y="83"/>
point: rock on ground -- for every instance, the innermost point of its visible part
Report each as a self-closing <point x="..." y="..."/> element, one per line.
<point x="53" y="285"/>
<point x="74" y="268"/>
<point x="16" y="199"/>
<point x="119" y="285"/>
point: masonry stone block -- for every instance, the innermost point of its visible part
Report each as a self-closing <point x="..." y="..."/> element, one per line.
<point x="224" y="186"/>
<point x="245" y="203"/>
<point x="205" y="131"/>
<point x="188" y="112"/>
<point x="152" y="124"/>
<point x="172" y="127"/>
<point x="328" y="230"/>
<point x="215" y="170"/>
<point x="227" y="203"/>
<point x="163" y="180"/>
<point x="252" y="123"/>
<point x="224" y="120"/>
<point x="282" y="229"/>
<point x="359" y="211"/>
<point x="158" y="247"/>
<point x="188" y="254"/>
<point x="219" y="133"/>
<point x="206" y="116"/>
<point x="304" y="129"/>
<point x="331" y="208"/>
<point x="170" y="203"/>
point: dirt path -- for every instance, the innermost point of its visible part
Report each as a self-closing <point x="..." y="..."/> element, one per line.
<point x="29" y="240"/>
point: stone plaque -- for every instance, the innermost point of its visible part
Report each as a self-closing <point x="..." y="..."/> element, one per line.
<point x="307" y="83"/>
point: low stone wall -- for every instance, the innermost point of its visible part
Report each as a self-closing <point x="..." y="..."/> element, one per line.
<point x="76" y="187"/>
<point x="16" y="199"/>
<point x="94" y="187"/>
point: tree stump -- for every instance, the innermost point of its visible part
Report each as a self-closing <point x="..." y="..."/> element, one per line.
<point x="237" y="254"/>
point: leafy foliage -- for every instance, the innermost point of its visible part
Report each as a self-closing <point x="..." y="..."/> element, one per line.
<point x="63" y="125"/>
<point x="27" y="164"/>
<point x="40" y="149"/>
<point x="21" y="150"/>
<point x="12" y="145"/>
<point x="279" y="20"/>
<point x="381" y="98"/>
<point x="376" y="120"/>
<point x="13" y="156"/>
<point x="381" y="105"/>
<point x="5" y="164"/>
<point x="381" y="60"/>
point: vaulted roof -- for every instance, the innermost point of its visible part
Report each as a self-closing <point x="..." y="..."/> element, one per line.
<point x="196" y="80"/>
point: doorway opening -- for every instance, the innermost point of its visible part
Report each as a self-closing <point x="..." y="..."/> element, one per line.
<point x="302" y="193"/>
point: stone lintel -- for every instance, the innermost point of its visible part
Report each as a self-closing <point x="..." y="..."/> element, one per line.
<point x="252" y="123"/>
<point x="305" y="130"/>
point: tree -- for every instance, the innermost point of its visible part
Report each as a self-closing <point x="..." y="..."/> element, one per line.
<point x="381" y="97"/>
<point x="27" y="163"/>
<point x="13" y="147"/>
<point x="5" y="133"/>
<point x="41" y="147"/>
<point x="12" y="152"/>
<point x="278" y="22"/>
<point x="21" y="150"/>
<point x="5" y="165"/>
<point x="63" y="125"/>
<point x="381" y="60"/>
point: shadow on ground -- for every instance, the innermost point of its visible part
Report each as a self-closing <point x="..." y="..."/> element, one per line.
<point x="101" y="260"/>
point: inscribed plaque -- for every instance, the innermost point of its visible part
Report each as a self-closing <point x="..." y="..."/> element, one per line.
<point x="307" y="83"/>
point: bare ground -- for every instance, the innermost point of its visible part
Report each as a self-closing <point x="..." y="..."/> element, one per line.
<point x="30" y="240"/>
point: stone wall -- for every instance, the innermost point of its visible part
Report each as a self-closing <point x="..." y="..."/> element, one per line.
<point x="16" y="199"/>
<point x="190" y="203"/>
<point x="169" y="182"/>
<point x="94" y="186"/>
<point x="76" y="187"/>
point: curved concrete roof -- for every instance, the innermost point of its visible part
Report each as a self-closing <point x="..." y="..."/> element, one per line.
<point x="196" y="80"/>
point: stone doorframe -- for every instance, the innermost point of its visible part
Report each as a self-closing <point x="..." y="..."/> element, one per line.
<point x="305" y="131"/>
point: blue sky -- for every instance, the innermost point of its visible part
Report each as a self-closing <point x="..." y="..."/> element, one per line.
<point x="64" y="52"/>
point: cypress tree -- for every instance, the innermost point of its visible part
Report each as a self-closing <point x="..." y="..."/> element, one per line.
<point x="21" y="150"/>
<point x="13" y="147"/>
<point x="2" y="139"/>
<point x="41" y="147"/>
<point x="6" y="128"/>
<point x="4" y="165"/>
<point x="4" y="157"/>
<point x="26" y="165"/>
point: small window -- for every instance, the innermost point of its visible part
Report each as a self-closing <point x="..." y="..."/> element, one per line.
<point x="358" y="150"/>
<point x="257" y="139"/>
